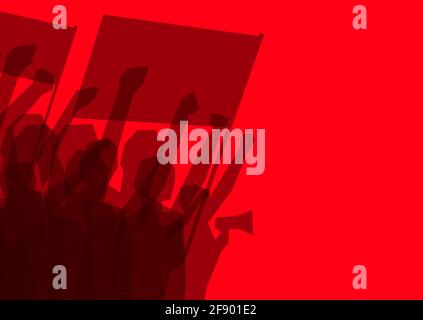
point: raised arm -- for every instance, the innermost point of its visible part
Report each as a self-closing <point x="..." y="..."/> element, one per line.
<point x="17" y="61"/>
<point x="130" y="81"/>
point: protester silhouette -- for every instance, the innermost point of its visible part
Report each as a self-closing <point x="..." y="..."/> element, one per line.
<point x="54" y="209"/>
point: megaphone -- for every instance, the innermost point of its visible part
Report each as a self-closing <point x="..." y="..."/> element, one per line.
<point x="242" y="222"/>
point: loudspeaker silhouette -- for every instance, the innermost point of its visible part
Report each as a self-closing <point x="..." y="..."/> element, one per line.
<point x="242" y="222"/>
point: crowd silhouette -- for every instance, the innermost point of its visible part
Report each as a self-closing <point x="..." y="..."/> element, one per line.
<point x="54" y="209"/>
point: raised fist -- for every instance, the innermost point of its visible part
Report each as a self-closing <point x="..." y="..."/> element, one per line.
<point x="132" y="79"/>
<point x="187" y="106"/>
<point x="18" y="59"/>
<point x="84" y="97"/>
<point x="44" y="79"/>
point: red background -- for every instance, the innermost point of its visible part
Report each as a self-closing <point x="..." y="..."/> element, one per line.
<point x="342" y="111"/>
